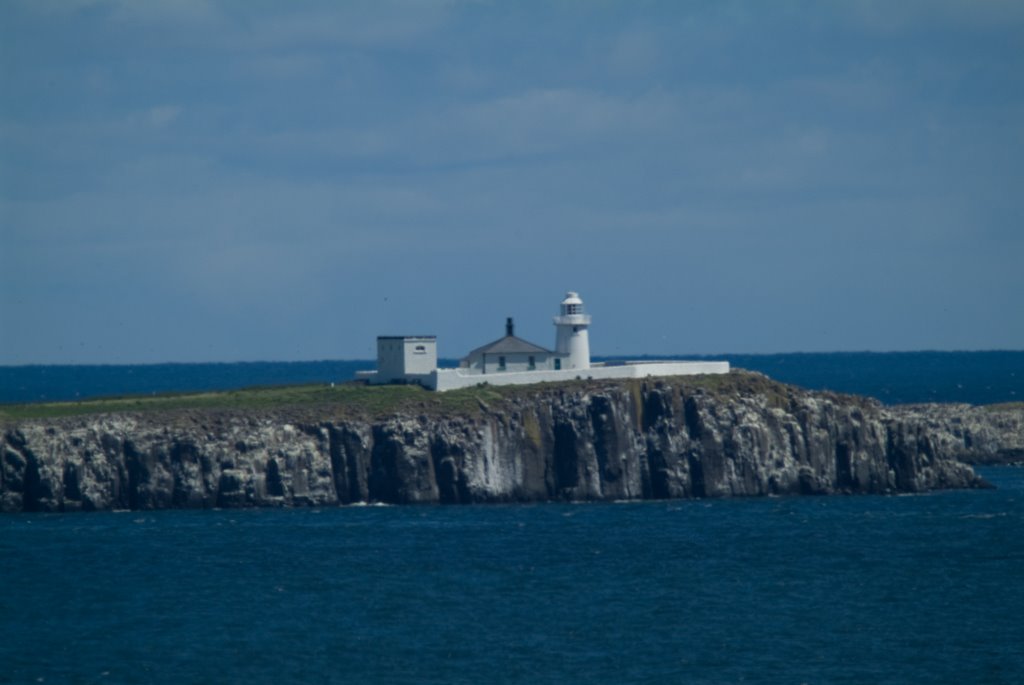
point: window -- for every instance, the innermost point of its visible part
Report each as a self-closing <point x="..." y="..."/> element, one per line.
<point x="533" y="363"/>
<point x="501" y="363"/>
<point x="558" y="365"/>
<point x="420" y="349"/>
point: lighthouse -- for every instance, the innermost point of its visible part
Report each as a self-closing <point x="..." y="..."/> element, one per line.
<point x="571" y="341"/>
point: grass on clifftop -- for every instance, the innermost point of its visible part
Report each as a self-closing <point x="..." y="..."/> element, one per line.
<point x="352" y="397"/>
<point x="1005" y="406"/>
<point x="344" y="398"/>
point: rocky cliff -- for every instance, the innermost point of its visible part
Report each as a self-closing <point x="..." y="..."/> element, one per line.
<point x="734" y="435"/>
<point x="977" y="435"/>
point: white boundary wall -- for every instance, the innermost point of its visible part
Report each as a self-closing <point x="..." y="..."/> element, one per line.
<point x="451" y="379"/>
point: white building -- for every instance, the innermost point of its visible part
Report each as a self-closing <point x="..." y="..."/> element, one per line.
<point x="509" y="354"/>
<point x="405" y="358"/>
<point x="510" y="360"/>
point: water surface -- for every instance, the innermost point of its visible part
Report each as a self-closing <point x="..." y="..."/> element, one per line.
<point x="863" y="589"/>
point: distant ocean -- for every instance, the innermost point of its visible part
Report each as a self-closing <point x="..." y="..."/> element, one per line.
<point x="892" y="377"/>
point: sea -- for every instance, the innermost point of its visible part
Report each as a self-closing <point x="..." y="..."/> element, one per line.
<point x="862" y="589"/>
<point x="846" y="589"/>
<point x="892" y="377"/>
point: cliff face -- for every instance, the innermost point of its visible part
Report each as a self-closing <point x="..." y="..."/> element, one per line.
<point x="596" y="441"/>
<point x="976" y="435"/>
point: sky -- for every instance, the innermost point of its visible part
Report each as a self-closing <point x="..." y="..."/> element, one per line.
<point x="205" y="180"/>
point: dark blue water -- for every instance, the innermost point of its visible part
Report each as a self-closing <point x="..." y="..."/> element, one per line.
<point x="899" y="377"/>
<point x="893" y="377"/>
<point x="51" y="383"/>
<point x="915" y="589"/>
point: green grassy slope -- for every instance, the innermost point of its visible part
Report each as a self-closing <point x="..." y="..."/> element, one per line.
<point x="362" y="400"/>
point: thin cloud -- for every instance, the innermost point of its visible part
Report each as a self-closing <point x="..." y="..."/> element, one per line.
<point x="163" y="115"/>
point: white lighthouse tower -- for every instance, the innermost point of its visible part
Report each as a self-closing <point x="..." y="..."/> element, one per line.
<point x="571" y="341"/>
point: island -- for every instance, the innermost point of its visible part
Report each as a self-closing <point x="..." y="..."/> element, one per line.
<point x="705" y="436"/>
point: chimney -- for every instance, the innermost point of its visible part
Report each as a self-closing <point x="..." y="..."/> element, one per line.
<point x="509" y="327"/>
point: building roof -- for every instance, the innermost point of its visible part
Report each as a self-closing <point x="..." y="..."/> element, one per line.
<point x="509" y="344"/>
<point x="406" y="337"/>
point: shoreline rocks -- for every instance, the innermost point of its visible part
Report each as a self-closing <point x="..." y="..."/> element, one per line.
<point x="985" y="435"/>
